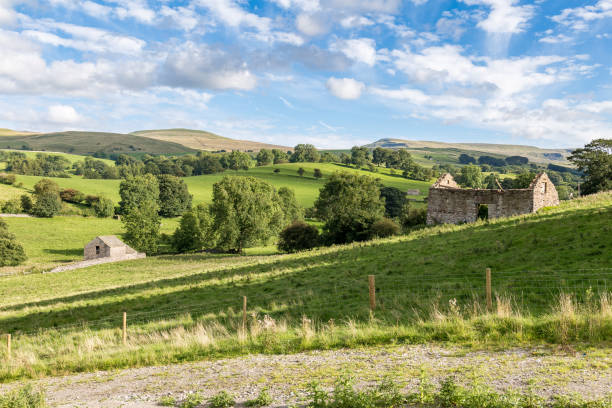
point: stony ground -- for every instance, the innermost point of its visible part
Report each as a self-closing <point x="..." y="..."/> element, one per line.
<point x="545" y="371"/>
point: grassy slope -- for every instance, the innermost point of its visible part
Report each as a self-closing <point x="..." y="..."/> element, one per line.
<point x="202" y="140"/>
<point x="306" y="188"/>
<point x="73" y="158"/>
<point x="187" y="307"/>
<point x="90" y="142"/>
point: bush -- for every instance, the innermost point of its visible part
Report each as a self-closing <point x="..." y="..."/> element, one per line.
<point x="385" y="228"/>
<point x="413" y="217"/>
<point x="222" y="400"/>
<point x="298" y="236"/>
<point x="263" y="400"/>
<point x="71" y="195"/>
<point x="174" y="198"/>
<point x="7" y="179"/>
<point x="104" y="208"/>
<point x="12" y="206"/>
<point x="26" y="203"/>
<point x="192" y="400"/>
<point x="11" y="252"/>
<point x="24" y="397"/>
<point x="90" y="200"/>
<point x="47" y="205"/>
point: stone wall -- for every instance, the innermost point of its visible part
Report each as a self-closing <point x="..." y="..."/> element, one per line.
<point x="544" y="192"/>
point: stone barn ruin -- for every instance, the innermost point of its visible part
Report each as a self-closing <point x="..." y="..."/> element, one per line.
<point x="107" y="246"/>
<point x="450" y="204"/>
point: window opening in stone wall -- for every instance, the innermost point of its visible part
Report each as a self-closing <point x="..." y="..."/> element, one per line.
<point x="483" y="212"/>
<point x="97" y="250"/>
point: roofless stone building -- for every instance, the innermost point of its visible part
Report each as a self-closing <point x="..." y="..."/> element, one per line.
<point x="450" y="204"/>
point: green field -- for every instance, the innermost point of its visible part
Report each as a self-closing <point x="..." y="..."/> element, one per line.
<point x="430" y="287"/>
<point x="306" y="188"/>
<point x="73" y="158"/>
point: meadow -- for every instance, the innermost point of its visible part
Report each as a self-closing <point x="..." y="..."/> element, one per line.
<point x="551" y="284"/>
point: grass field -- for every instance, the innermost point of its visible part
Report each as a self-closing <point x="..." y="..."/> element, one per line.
<point x="306" y="188"/>
<point x="73" y="158"/>
<point x="430" y="287"/>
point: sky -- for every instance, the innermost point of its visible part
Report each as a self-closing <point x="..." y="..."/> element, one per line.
<point x="334" y="73"/>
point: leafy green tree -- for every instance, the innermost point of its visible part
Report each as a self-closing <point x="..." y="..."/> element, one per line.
<point x="516" y="160"/>
<point x="280" y="156"/>
<point x="466" y="159"/>
<point x="291" y="208"/>
<point x="301" y="171"/>
<point x="328" y="157"/>
<point x="239" y="161"/>
<point x="395" y="199"/>
<point x="136" y="190"/>
<point x="298" y="236"/>
<point x="11" y="252"/>
<point x="47" y="199"/>
<point x="317" y="173"/>
<point x="523" y="179"/>
<point x="349" y="204"/>
<point x="470" y="176"/>
<point x="26" y="203"/>
<point x="195" y="230"/>
<point x="490" y="181"/>
<point x="303" y="153"/>
<point x="384" y="228"/>
<point x="265" y="157"/>
<point x="174" y="197"/>
<point x="360" y="156"/>
<point x="104" y="207"/>
<point x="595" y="161"/>
<point x="379" y="156"/>
<point x="247" y="211"/>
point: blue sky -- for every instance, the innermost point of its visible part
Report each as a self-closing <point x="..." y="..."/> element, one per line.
<point x="330" y="72"/>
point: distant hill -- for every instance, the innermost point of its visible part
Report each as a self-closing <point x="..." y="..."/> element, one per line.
<point x="10" y="132"/>
<point x="87" y="143"/>
<point x="534" y="154"/>
<point x="202" y="140"/>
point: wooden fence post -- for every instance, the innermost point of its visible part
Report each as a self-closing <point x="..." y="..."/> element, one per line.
<point x="8" y="346"/>
<point x="488" y="284"/>
<point x="372" y="282"/>
<point x="244" y="313"/>
<point x="124" y="328"/>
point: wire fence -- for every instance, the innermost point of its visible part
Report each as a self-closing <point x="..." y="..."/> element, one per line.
<point x="390" y="296"/>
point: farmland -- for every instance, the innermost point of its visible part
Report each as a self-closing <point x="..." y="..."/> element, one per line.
<point x="433" y="272"/>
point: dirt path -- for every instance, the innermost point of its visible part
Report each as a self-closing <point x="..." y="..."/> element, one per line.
<point x="544" y="371"/>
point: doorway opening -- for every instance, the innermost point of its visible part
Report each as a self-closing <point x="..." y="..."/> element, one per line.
<point x="483" y="212"/>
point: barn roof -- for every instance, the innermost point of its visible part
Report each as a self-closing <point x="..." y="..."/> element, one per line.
<point x="111" y="241"/>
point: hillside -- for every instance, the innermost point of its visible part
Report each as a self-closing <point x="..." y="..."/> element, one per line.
<point x="453" y="150"/>
<point x="187" y="307"/>
<point x="87" y="143"/>
<point x="10" y="132"/>
<point x="202" y="140"/>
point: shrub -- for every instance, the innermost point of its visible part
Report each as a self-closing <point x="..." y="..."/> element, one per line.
<point x="167" y="401"/>
<point x="263" y="399"/>
<point x="298" y="236"/>
<point x="47" y="205"/>
<point x="174" y="198"/>
<point x="277" y="170"/>
<point x="26" y="203"/>
<point x="91" y="199"/>
<point x="71" y="195"/>
<point x="192" y="400"/>
<point x="385" y="228"/>
<point x="413" y="217"/>
<point x="104" y="208"/>
<point x="301" y="171"/>
<point x="317" y="173"/>
<point x="12" y="206"/>
<point x="11" y="252"/>
<point x="221" y="400"/>
<point x="194" y="231"/>
<point x="25" y="397"/>
<point x="7" y="179"/>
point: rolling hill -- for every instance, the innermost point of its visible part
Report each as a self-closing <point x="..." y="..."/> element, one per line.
<point x="87" y="143"/>
<point x="10" y="132"/>
<point x="202" y="140"/>
<point x="453" y="150"/>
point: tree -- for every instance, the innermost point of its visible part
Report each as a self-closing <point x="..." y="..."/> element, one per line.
<point x="239" y="161"/>
<point x="360" y="156"/>
<point x="395" y="199"/>
<point x="26" y="203"/>
<point x="195" y="230"/>
<point x="247" y="211"/>
<point x="595" y="161"/>
<point x="470" y="176"/>
<point x="303" y="153"/>
<point x="11" y="252"/>
<point x="298" y="236"/>
<point x="466" y="159"/>
<point x="174" y="197"/>
<point x="523" y="180"/>
<point x="349" y="204"/>
<point x="265" y="157"/>
<point x="291" y="208"/>
<point x="384" y="228"/>
<point x="47" y="199"/>
<point x="140" y="212"/>
<point x="104" y="207"/>
<point x="492" y="161"/>
<point x="379" y="156"/>
<point x="301" y="171"/>
<point x="517" y="160"/>
<point x="136" y="190"/>
<point x="280" y="156"/>
<point x="317" y="173"/>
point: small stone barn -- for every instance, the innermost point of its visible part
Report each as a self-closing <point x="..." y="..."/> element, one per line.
<point x="450" y="204"/>
<point x="107" y="246"/>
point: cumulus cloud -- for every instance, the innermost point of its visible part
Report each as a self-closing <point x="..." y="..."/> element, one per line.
<point x="345" y="88"/>
<point x="579" y="18"/>
<point x="8" y="16"/>
<point x="505" y="16"/>
<point x="312" y="24"/>
<point x="63" y="115"/>
<point x="232" y="15"/>
<point x="360" y="49"/>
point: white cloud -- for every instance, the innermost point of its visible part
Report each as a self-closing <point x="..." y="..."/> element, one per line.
<point x="181" y="17"/>
<point x="345" y="88"/>
<point x="359" y="49"/>
<point x="418" y="97"/>
<point x="63" y="114"/>
<point x="8" y="16"/>
<point x="305" y="5"/>
<point x="136" y="9"/>
<point x="579" y="18"/>
<point x="232" y="15"/>
<point x="555" y="39"/>
<point x="311" y="24"/>
<point x="355" y="21"/>
<point x="380" y="6"/>
<point x="505" y="16"/>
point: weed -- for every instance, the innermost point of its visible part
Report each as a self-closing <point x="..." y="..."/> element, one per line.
<point x="167" y="401"/>
<point x="263" y="399"/>
<point x="192" y="400"/>
<point x="25" y="397"/>
<point x="221" y="400"/>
